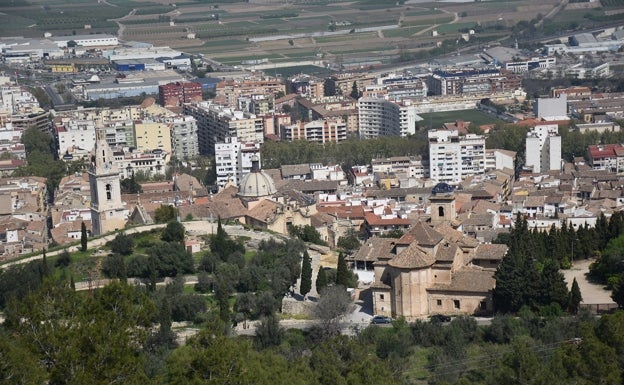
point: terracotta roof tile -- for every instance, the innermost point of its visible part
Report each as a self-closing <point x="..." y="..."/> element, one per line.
<point x="413" y="257"/>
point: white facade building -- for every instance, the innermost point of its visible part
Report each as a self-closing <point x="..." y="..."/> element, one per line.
<point x="543" y="148"/>
<point x="184" y="141"/>
<point x="234" y="160"/>
<point x="453" y="157"/>
<point x="382" y="117"/>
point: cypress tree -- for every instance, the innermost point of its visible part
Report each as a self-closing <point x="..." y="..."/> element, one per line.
<point x="83" y="237"/>
<point x="306" y="274"/>
<point x="575" y="297"/>
<point x="342" y="275"/>
<point x="321" y="280"/>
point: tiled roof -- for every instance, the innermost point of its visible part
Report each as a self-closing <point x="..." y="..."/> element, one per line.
<point x="446" y="252"/>
<point x="424" y="235"/>
<point x="491" y="251"/>
<point x="374" y="249"/>
<point x="289" y="170"/>
<point x="469" y="280"/>
<point x="413" y="257"/>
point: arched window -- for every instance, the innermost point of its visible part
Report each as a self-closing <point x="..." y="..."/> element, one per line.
<point x="440" y="211"/>
<point x="108" y="191"/>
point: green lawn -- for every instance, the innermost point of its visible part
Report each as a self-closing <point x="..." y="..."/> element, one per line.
<point x="403" y="32"/>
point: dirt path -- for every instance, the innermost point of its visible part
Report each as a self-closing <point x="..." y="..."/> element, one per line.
<point x="592" y="293"/>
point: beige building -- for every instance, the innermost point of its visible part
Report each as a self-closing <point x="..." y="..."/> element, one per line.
<point x="152" y="135"/>
<point x="433" y="268"/>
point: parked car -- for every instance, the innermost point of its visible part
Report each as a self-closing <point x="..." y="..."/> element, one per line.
<point x="440" y="318"/>
<point x="381" y="319"/>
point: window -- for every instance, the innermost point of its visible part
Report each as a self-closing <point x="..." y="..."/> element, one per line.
<point x="439" y="302"/>
<point x="440" y="211"/>
<point x="483" y="305"/>
<point x="456" y="303"/>
<point x="108" y="192"/>
<point x="381" y="297"/>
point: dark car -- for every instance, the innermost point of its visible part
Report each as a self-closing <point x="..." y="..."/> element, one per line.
<point x="381" y="319"/>
<point x="440" y="318"/>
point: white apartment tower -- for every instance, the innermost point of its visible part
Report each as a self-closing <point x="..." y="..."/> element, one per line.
<point x="543" y="148"/>
<point x="107" y="210"/>
<point x="234" y="160"/>
<point x="382" y="117"/>
<point x="453" y="157"/>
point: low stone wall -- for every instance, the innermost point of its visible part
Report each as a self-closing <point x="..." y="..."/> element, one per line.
<point x="297" y="307"/>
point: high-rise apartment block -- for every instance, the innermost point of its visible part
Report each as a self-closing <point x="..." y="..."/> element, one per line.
<point x="184" y="141"/>
<point x="215" y="123"/>
<point x="452" y="157"/>
<point x="543" y="148"/>
<point x="233" y="160"/>
<point x="381" y="117"/>
<point x="175" y="94"/>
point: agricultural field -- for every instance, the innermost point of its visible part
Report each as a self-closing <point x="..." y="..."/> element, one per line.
<point x="229" y="29"/>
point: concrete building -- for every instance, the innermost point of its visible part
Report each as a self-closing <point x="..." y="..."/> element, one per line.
<point x="608" y="157"/>
<point x="229" y="91"/>
<point x="549" y="108"/>
<point x="318" y="131"/>
<point x="472" y="81"/>
<point x="306" y="86"/>
<point x="176" y="94"/>
<point x="75" y="139"/>
<point x="382" y="117"/>
<point x="342" y="84"/>
<point x="95" y="40"/>
<point x="184" y="140"/>
<point x="150" y="135"/>
<point x="543" y="149"/>
<point x="233" y="160"/>
<point x="452" y="157"/>
<point x="215" y="123"/>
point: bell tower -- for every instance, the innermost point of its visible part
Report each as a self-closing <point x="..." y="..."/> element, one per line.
<point x="442" y="204"/>
<point x="107" y="210"/>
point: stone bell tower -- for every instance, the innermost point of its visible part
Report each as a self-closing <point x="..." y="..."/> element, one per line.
<point x="107" y="210"/>
<point x="442" y="204"/>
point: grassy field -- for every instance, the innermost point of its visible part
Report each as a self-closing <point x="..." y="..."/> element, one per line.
<point x="304" y="69"/>
<point x="437" y="119"/>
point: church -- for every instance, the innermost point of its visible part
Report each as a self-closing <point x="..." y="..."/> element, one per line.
<point x="433" y="268"/>
<point x="107" y="210"/>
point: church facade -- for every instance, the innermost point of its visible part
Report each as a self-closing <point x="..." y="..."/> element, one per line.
<point x="433" y="268"/>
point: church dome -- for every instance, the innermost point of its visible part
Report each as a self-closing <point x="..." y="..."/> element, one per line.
<point x="257" y="183"/>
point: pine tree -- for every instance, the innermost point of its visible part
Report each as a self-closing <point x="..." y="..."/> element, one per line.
<point x="575" y="297"/>
<point x="306" y="274"/>
<point x="83" y="237"/>
<point x="45" y="269"/>
<point x="321" y="280"/>
<point x="342" y="275"/>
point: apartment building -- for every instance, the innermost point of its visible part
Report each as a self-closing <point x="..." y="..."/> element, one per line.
<point x="452" y="157"/>
<point x="382" y="117"/>
<point x="543" y="148"/>
<point x="233" y="160"/>
<point x="150" y="135"/>
<point x="306" y="86"/>
<point x="175" y="94"/>
<point x="229" y="91"/>
<point x="472" y="81"/>
<point x="342" y="84"/>
<point x="216" y="122"/>
<point x="184" y="140"/>
<point x="318" y="131"/>
<point x="609" y="157"/>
